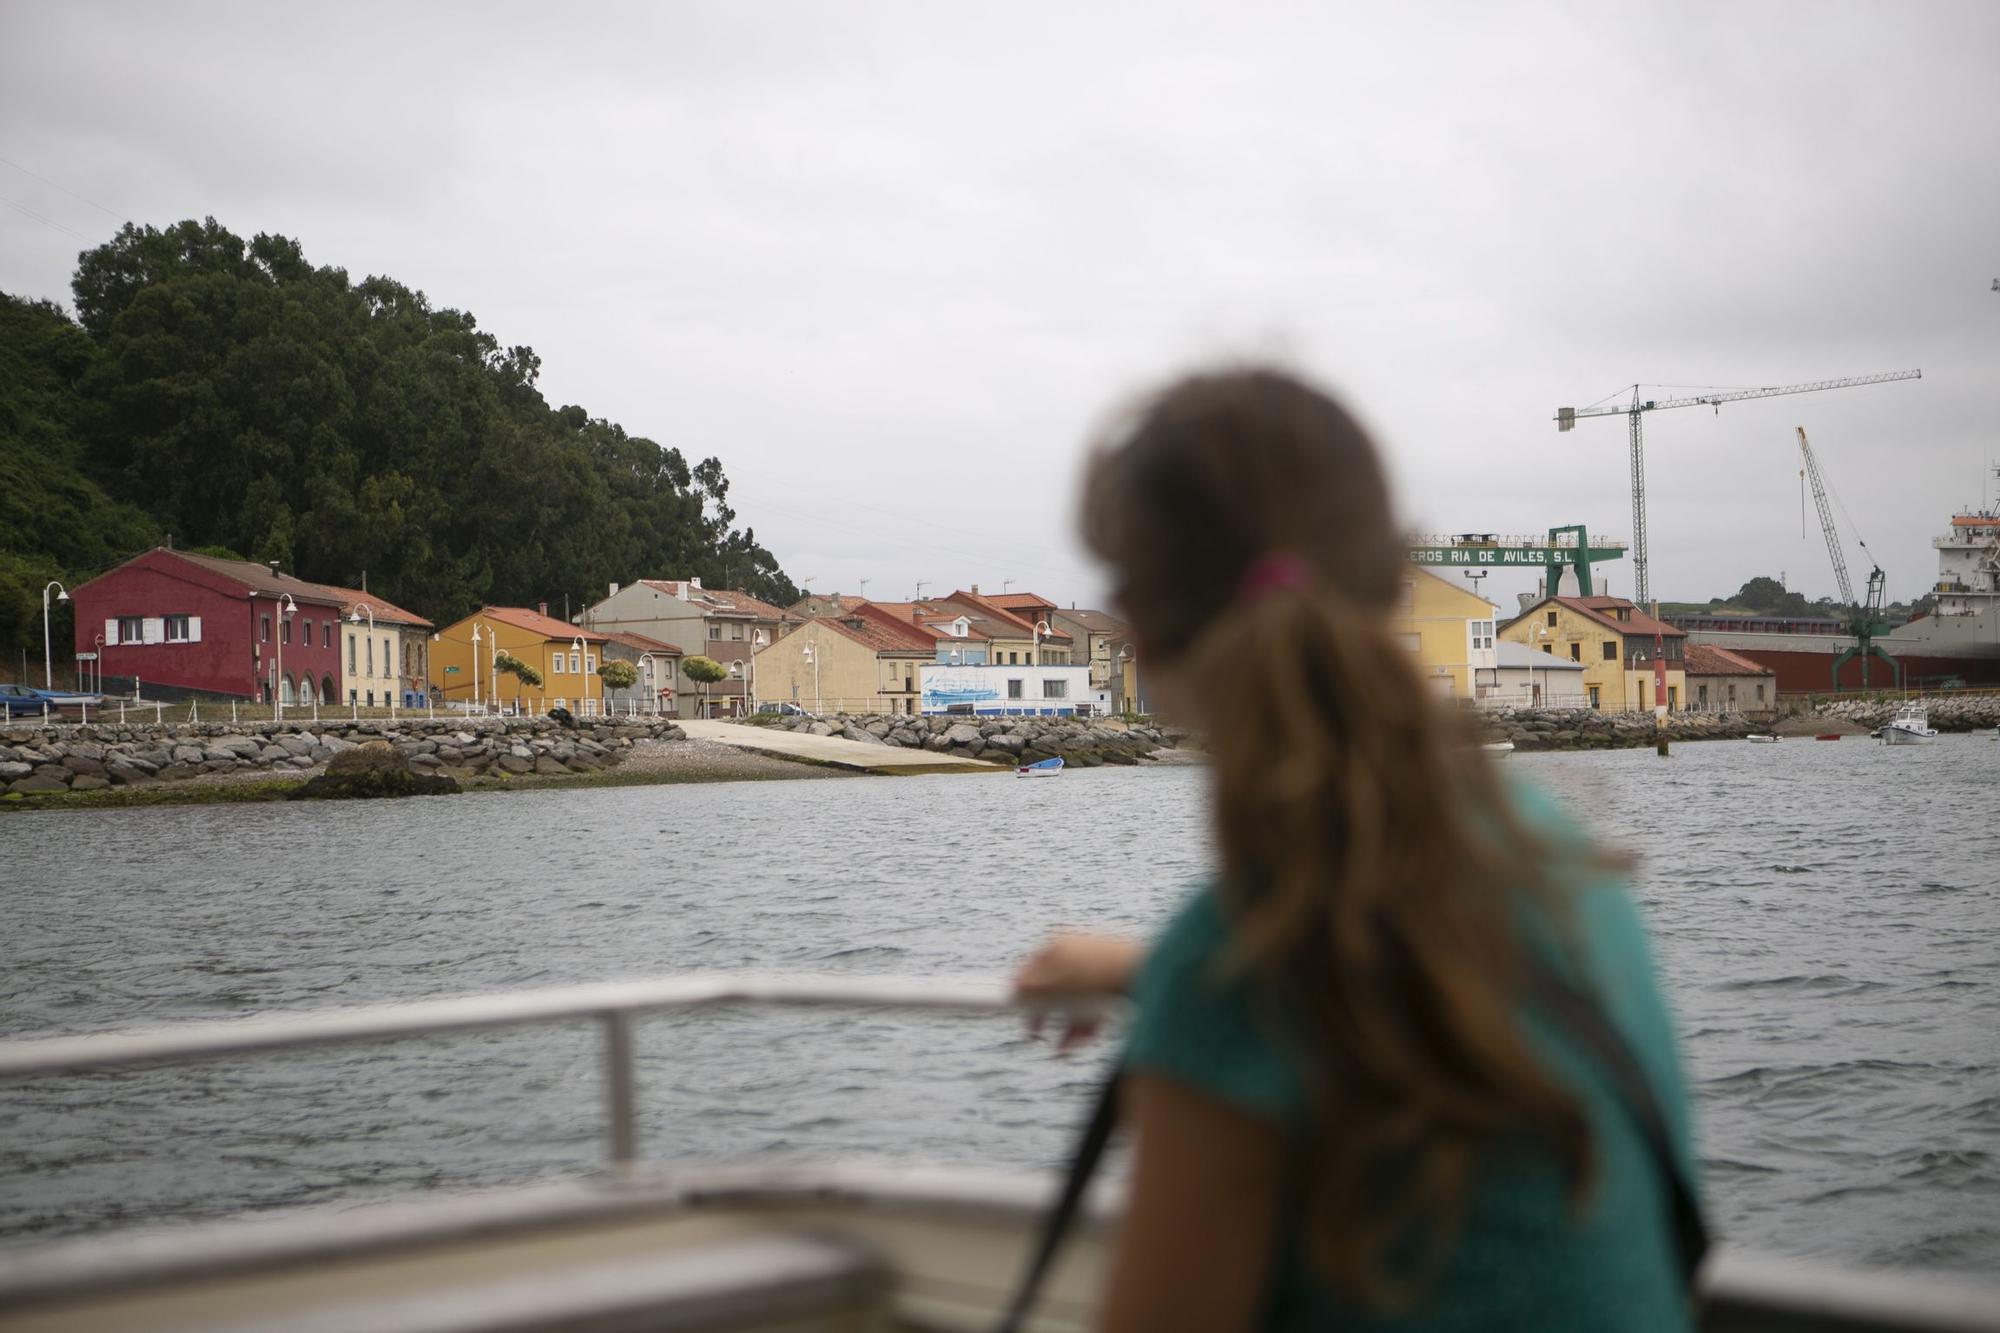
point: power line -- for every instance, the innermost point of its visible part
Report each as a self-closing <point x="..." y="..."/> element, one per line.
<point x="46" y="222"/>
<point x="108" y="212"/>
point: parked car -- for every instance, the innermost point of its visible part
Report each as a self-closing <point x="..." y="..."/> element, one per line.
<point x="782" y="709"/>
<point x="21" y="700"/>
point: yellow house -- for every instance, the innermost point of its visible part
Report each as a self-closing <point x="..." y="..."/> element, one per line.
<point x="566" y="656"/>
<point x="1613" y="641"/>
<point x="1448" y="631"/>
<point x="864" y="660"/>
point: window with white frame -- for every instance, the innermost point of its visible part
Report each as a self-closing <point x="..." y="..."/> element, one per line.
<point x="1014" y="688"/>
<point x="575" y="663"/>
<point x="589" y="663"/>
<point x="352" y="668"/>
<point x="263" y="629"/>
<point x="177" y="629"/>
<point x="371" y="660"/>
<point x="1055" y="689"/>
<point x="556" y="665"/>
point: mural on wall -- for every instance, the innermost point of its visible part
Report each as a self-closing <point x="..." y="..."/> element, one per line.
<point x="947" y="687"/>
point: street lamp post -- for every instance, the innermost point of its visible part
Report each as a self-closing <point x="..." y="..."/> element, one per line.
<point x="582" y="650"/>
<point x="1041" y="631"/>
<point x="48" y="659"/>
<point x="1541" y="632"/>
<point x="475" y="665"/>
<point x="736" y="673"/>
<point x="97" y="672"/>
<point x="1125" y="659"/>
<point x="807" y="651"/>
<point x="646" y="680"/>
<point x="286" y="609"/>
<point x="758" y="639"/>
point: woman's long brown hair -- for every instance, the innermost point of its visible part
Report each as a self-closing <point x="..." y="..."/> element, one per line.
<point x="1372" y="868"/>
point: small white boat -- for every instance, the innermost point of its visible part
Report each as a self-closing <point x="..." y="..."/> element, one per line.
<point x="1760" y="739"/>
<point x="1910" y="726"/>
<point x="1498" y="749"/>
<point x="1046" y="768"/>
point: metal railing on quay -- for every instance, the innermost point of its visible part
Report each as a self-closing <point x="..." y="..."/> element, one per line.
<point x="1743" y="1292"/>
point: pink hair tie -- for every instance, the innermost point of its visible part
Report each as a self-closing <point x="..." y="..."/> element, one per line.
<point x="1272" y="571"/>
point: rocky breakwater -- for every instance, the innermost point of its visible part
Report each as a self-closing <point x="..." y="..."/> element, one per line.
<point x="371" y="771"/>
<point x="1948" y="712"/>
<point x="1588" y="729"/>
<point x="1086" y="742"/>
<point x="36" y="760"/>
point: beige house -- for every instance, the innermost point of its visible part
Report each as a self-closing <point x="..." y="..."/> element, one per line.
<point x="1093" y="638"/>
<point x="1614" y="643"/>
<point x="726" y="626"/>
<point x="864" y="661"/>
<point x="1719" y="681"/>
<point x="385" y="651"/>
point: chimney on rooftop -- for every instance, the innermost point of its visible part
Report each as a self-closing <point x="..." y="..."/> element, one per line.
<point x="975" y="590"/>
<point x="274" y="570"/>
<point x="545" y="608"/>
<point x="614" y="590"/>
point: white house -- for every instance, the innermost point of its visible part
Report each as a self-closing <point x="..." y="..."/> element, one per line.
<point x="1010" y="690"/>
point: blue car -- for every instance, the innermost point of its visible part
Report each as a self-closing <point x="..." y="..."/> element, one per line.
<point x="23" y="700"/>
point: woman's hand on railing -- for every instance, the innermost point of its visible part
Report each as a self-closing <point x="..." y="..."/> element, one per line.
<point x="1071" y="965"/>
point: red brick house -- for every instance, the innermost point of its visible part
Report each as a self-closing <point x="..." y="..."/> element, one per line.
<point x="170" y="623"/>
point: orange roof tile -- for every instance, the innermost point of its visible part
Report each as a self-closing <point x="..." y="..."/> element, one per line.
<point x="388" y="613"/>
<point x="520" y="617"/>
<point x="1705" y="659"/>
<point x="641" y="643"/>
<point x="1638" y="623"/>
<point x="720" y="601"/>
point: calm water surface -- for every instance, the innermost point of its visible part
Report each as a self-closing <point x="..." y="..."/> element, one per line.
<point x="1825" y="914"/>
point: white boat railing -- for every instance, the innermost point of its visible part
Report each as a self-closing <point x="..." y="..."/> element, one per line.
<point x="613" y="1005"/>
<point x="1743" y="1292"/>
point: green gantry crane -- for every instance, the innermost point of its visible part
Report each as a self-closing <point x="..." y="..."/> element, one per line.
<point x="1864" y="619"/>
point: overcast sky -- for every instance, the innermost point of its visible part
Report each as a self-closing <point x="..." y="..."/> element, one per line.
<point x="890" y="262"/>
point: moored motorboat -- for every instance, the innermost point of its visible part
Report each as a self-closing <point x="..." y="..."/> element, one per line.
<point x="1044" y="768"/>
<point x="1757" y="738"/>
<point x="1498" y="749"/>
<point x="1910" y="726"/>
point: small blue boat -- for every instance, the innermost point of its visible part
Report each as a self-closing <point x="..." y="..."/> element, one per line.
<point x="1046" y="768"/>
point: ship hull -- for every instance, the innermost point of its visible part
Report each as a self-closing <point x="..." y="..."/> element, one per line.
<point x="1930" y="652"/>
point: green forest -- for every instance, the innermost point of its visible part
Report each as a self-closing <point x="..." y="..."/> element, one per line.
<point x="229" y="396"/>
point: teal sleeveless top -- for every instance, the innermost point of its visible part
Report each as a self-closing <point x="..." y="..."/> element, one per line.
<point x="1525" y="1258"/>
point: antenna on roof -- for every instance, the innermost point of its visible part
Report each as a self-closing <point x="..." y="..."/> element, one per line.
<point x="921" y="585"/>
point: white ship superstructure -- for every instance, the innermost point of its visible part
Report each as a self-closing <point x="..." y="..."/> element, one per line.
<point x="1969" y="565"/>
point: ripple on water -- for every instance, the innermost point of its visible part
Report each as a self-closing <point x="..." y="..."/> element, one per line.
<point x="1826" y="925"/>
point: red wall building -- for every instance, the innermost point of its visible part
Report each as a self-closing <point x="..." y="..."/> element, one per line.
<point x="185" y="622"/>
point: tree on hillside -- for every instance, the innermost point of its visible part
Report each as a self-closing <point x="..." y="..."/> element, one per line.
<point x="233" y="394"/>
<point x="1769" y="597"/>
